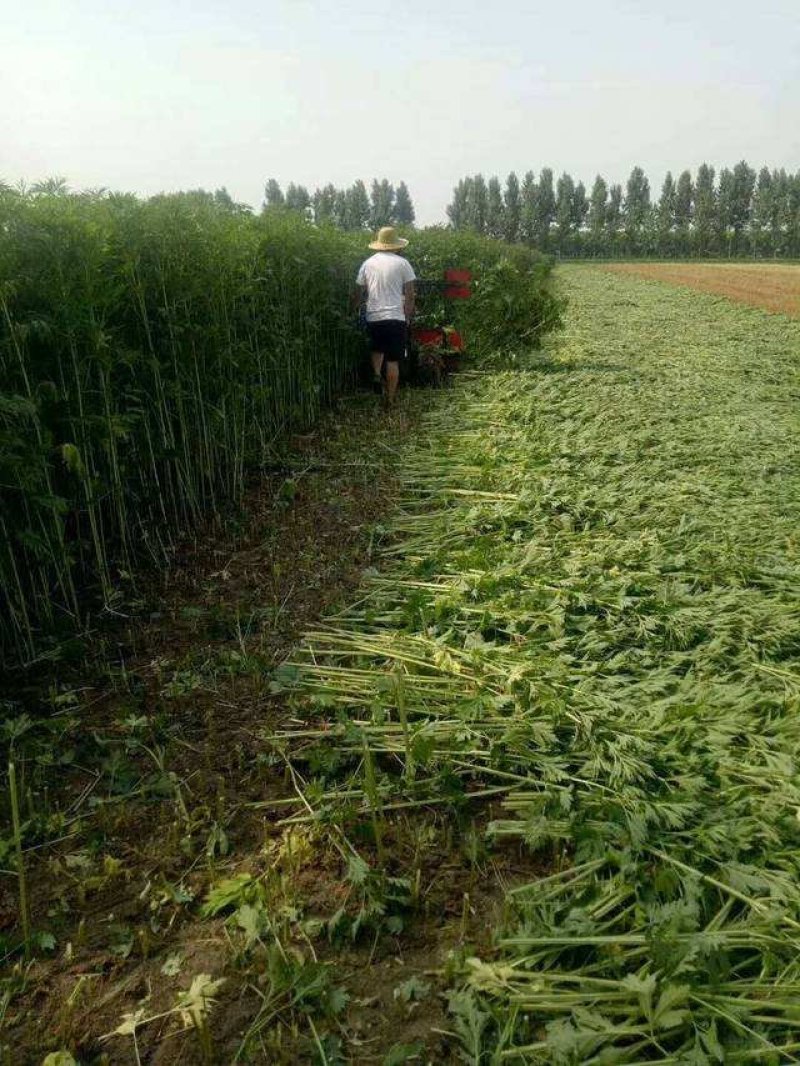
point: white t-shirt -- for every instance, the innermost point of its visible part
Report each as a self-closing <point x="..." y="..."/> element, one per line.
<point x="384" y="275"/>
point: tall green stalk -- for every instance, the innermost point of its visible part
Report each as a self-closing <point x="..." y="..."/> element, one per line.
<point x="21" y="882"/>
<point x="167" y="346"/>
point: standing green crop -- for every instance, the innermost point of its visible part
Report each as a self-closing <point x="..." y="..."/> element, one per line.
<point x="152" y="354"/>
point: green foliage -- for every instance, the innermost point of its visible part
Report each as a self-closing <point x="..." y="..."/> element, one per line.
<point x="351" y="209"/>
<point x="151" y="355"/>
<point x="512" y="208"/>
<point x="273" y="195"/>
<point x="232" y="892"/>
<point x="375" y="902"/>
<point x="399" y="1054"/>
<point x="403" y="207"/>
<point x="587" y="610"/>
<point x="527" y="226"/>
<point x="470" y="1024"/>
<point x="637" y="208"/>
<point x="565" y="212"/>
<point x="512" y="305"/>
<point x="382" y="204"/>
<point x="512" y="308"/>
<point x="544" y="209"/>
<point x="598" y="208"/>
<point x="413" y="990"/>
<point x="293" y="986"/>
<point x="495" y="221"/>
<point x="741" y="216"/>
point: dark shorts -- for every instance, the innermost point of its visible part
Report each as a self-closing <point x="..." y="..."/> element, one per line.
<point x="389" y="338"/>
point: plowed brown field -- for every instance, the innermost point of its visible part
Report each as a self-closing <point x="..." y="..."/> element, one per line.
<point x="773" y="286"/>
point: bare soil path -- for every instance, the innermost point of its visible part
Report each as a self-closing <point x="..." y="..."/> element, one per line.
<point x="772" y="286"/>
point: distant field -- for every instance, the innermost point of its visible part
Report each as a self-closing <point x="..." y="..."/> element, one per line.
<point x="772" y="286"/>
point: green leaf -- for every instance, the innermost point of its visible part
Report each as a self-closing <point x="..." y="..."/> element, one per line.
<point x="412" y="989"/>
<point x="469" y="1022"/>
<point x="72" y="459"/>
<point x="357" y="870"/>
<point x="668" y="1013"/>
<point x="252" y="920"/>
<point x="195" y="1003"/>
<point x="284" y="678"/>
<point x="45" y="941"/>
<point x="338" y="999"/>
<point x="644" y="987"/>
<point x="173" y="964"/>
<point x="710" y="1041"/>
<point x="402" y="1053"/>
<point x="230" y="892"/>
<point x="122" y="938"/>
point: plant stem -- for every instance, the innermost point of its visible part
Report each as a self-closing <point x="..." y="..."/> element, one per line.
<point x="23" y="889"/>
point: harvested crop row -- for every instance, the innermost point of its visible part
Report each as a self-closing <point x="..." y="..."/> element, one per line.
<point x="589" y="608"/>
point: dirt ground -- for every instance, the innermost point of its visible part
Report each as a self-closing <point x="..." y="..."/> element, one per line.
<point x="771" y="286"/>
<point x="148" y="782"/>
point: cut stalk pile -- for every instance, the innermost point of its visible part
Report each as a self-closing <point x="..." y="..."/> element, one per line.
<point x="588" y="607"/>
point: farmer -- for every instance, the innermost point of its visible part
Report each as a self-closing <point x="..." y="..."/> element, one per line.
<point x="385" y="286"/>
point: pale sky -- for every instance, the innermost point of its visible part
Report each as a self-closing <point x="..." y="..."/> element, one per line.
<point x="148" y="96"/>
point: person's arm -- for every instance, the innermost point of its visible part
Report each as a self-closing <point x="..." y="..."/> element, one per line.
<point x="358" y="297"/>
<point x="409" y="300"/>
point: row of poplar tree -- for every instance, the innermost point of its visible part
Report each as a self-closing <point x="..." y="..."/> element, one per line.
<point x="349" y="209"/>
<point x="738" y="213"/>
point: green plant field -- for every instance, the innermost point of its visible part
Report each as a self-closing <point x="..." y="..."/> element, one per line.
<point x="149" y="354"/>
<point x="530" y="796"/>
<point x="152" y="355"/>
<point x="588" y="613"/>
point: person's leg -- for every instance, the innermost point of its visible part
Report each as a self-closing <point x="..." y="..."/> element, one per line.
<point x="377" y="365"/>
<point x="392" y="379"/>
<point x="397" y="341"/>
<point x="377" y="350"/>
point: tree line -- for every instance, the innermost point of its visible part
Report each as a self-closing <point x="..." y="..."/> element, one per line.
<point x="352" y="208"/>
<point x="736" y="213"/>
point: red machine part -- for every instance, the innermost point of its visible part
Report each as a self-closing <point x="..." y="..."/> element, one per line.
<point x="438" y="338"/>
<point x="458" y="284"/>
<point x="427" y="338"/>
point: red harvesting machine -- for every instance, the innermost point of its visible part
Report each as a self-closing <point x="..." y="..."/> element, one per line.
<point x="436" y="347"/>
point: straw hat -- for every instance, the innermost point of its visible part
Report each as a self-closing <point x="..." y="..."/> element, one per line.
<point x="388" y="241"/>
